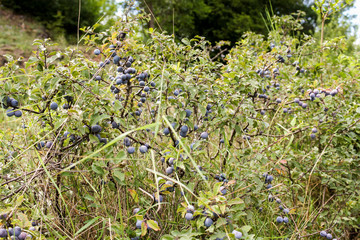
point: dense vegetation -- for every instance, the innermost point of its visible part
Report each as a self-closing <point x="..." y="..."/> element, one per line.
<point x="221" y="19"/>
<point x="160" y="140"/>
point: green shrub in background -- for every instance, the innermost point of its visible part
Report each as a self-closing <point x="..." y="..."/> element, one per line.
<point x="220" y="19"/>
<point x="161" y="141"/>
<point x="60" y="17"/>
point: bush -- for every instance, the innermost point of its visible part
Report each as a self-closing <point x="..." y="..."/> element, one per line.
<point x="270" y="148"/>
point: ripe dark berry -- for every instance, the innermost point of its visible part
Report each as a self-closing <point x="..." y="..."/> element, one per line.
<point x="114" y="125"/>
<point x="127" y="142"/>
<point x="204" y="135"/>
<point x="22" y="236"/>
<point x="10" y="112"/>
<point x="53" y="106"/>
<point x="161" y="198"/>
<point x="17" y="231"/>
<point x="3" y="233"/>
<point x="138" y="224"/>
<point x="95" y="129"/>
<point x="14" y="103"/>
<point x="208" y="222"/>
<point x="333" y="92"/>
<point x="49" y="144"/>
<point x="184" y="129"/>
<point x="143" y="149"/>
<point x="323" y="233"/>
<point x="131" y="150"/>
<point x="279" y="219"/>
<point x="169" y="170"/>
<point x="166" y="131"/>
<point x="237" y="234"/>
<point x="18" y="113"/>
<point x="97" y="52"/>
<point x="188" y="216"/>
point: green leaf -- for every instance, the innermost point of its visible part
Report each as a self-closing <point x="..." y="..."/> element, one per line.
<point x="119" y="175"/>
<point x="117" y="105"/>
<point x="235" y="201"/>
<point x="293" y="121"/>
<point x="23" y="220"/>
<point x="216" y="189"/>
<point x="97" y="169"/>
<point x="134" y="195"/>
<point x="220" y="222"/>
<point x="143" y="228"/>
<point x="238" y="129"/>
<point x="245" y="229"/>
<point x="59" y="122"/>
<point x="89" y="197"/>
<point x="87" y="225"/>
<point x="153" y="225"/>
<point x="19" y="200"/>
<point x="185" y="41"/>
<point x="121" y="155"/>
<point x="98" y="118"/>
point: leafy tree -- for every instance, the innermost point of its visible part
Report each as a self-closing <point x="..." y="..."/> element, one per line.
<point x="220" y="19"/>
<point x="333" y="22"/>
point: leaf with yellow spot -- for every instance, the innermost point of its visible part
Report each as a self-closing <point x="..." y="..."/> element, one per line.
<point x="153" y="225"/>
<point x="231" y="182"/>
<point x="143" y="228"/>
<point x="113" y="36"/>
<point x="134" y="195"/>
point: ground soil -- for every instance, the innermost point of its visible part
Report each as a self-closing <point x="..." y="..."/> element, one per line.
<point x="22" y="25"/>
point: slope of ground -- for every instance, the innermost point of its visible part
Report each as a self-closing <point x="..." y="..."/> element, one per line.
<point x="17" y="34"/>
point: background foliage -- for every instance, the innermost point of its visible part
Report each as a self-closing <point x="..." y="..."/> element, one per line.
<point x="221" y="20"/>
<point x="60" y="17"/>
